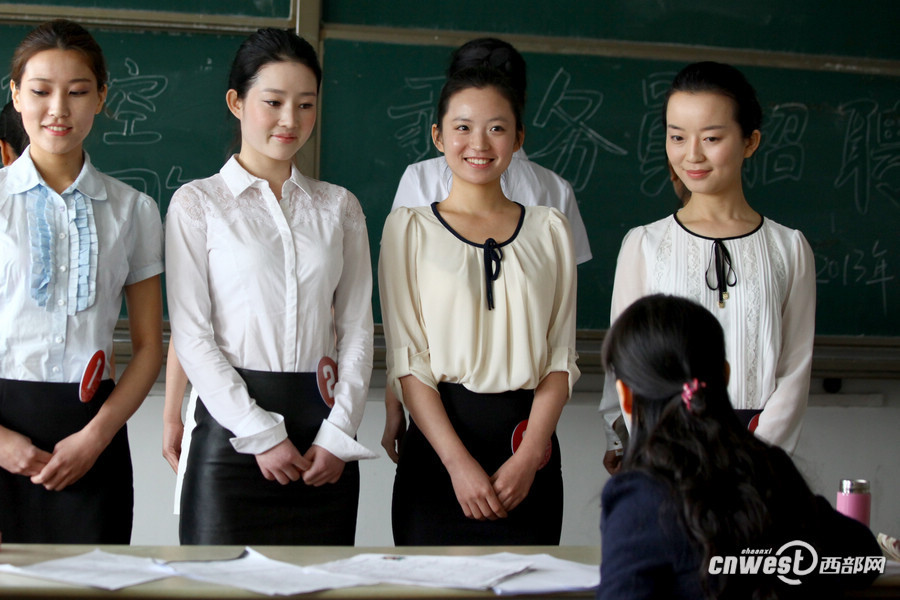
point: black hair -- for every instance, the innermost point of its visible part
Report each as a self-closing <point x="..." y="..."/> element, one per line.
<point x="716" y="470"/>
<point x="723" y="79"/>
<point x="11" y="129"/>
<point x="479" y="78"/>
<point x="270" y="45"/>
<point x="495" y="54"/>
<point x="59" y="34"/>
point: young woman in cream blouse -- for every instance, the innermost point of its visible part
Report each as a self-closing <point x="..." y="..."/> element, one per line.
<point x="757" y="277"/>
<point x="478" y="302"/>
<point x="529" y="183"/>
<point x="270" y="296"/>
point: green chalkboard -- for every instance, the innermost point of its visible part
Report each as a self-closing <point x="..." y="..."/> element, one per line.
<point x="239" y="8"/>
<point x="829" y="164"/>
<point x="836" y="27"/>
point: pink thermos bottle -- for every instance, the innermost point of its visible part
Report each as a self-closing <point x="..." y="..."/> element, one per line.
<point x="854" y="500"/>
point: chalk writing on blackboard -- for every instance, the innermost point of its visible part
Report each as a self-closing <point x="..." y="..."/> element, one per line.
<point x="857" y="267"/>
<point x="871" y="152"/>
<point x="149" y="181"/>
<point x="130" y="102"/>
<point x="176" y="179"/>
<point x="414" y="136"/>
<point x="143" y="180"/>
<point x="572" y="152"/>
<point x="783" y="154"/>
<point x="652" y="138"/>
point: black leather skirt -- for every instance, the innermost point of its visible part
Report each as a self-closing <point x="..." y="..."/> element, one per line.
<point x="226" y="500"/>
<point x="424" y="508"/>
<point x="96" y="509"/>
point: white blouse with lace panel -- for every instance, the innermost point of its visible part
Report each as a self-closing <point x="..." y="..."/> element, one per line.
<point x="271" y="286"/>
<point x="768" y="316"/>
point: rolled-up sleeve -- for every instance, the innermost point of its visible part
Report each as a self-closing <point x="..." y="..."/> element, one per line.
<point x="405" y="336"/>
<point x="561" y="330"/>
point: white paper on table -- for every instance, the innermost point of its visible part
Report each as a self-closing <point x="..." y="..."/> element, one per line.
<point x="548" y="574"/>
<point x="97" y="569"/>
<point x="466" y="572"/>
<point x="891" y="567"/>
<point x="255" y="572"/>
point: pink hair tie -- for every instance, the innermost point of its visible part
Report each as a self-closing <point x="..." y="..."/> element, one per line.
<point x="689" y="389"/>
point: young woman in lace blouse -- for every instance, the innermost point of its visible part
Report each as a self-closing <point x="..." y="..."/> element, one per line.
<point x="270" y="295"/>
<point x="756" y="276"/>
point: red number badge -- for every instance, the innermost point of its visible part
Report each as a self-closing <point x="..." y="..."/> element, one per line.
<point x="326" y="377"/>
<point x="93" y="375"/>
<point x="519" y="434"/>
<point x="754" y="423"/>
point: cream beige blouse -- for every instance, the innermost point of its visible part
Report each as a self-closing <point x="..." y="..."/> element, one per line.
<point x="493" y="317"/>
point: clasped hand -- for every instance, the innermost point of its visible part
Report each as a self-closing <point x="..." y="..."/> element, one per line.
<point x="490" y="498"/>
<point x="71" y="458"/>
<point x="284" y="463"/>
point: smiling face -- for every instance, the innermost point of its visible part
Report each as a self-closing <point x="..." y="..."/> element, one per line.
<point x="704" y="142"/>
<point x="277" y="114"/>
<point x="58" y="99"/>
<point x="478" y="135"/>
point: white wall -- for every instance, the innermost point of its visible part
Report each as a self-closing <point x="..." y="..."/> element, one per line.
<point x="854" y="434"/>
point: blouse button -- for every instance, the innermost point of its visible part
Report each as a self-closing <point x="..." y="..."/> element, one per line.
<point x="63" y="268"/>
<point x="59" y="339"/>
<point x="62" y="236"/>
<point x="61" y="302"/>
<point x="56" y="369"/>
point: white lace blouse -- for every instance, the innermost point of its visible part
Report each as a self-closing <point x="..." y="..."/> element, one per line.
<point x="768" y="316"/>
<point x="252" y="283"/>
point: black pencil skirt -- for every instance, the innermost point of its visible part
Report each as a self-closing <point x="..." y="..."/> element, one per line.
<point x="96" y="509"/>
<point x="226" y="500"/>
<point x="424" y="508"/>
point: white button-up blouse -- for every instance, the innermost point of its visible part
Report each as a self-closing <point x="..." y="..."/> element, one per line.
<point x="270" y="286"/>
<point x="64" y="261"/>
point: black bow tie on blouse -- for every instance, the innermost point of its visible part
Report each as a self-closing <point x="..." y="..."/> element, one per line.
<point x="724" y="271"/>
<point x="492" y="257"/>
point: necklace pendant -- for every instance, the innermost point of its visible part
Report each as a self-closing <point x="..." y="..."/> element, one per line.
<point x="721" y="304"/>
<point x="724" y="295"/>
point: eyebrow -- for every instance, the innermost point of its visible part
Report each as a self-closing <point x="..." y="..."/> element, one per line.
<point x="77" y="80"/>
<point x="278" y="91"/>
<point x="469" y="119"/>
<point x="707" y="128"/>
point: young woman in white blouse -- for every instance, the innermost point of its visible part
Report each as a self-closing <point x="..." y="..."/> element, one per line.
<point x="478" y="302"/>
<point x="756" y="276"/>
<point x="269" y="294"/>
<point x="72" y="242"/>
